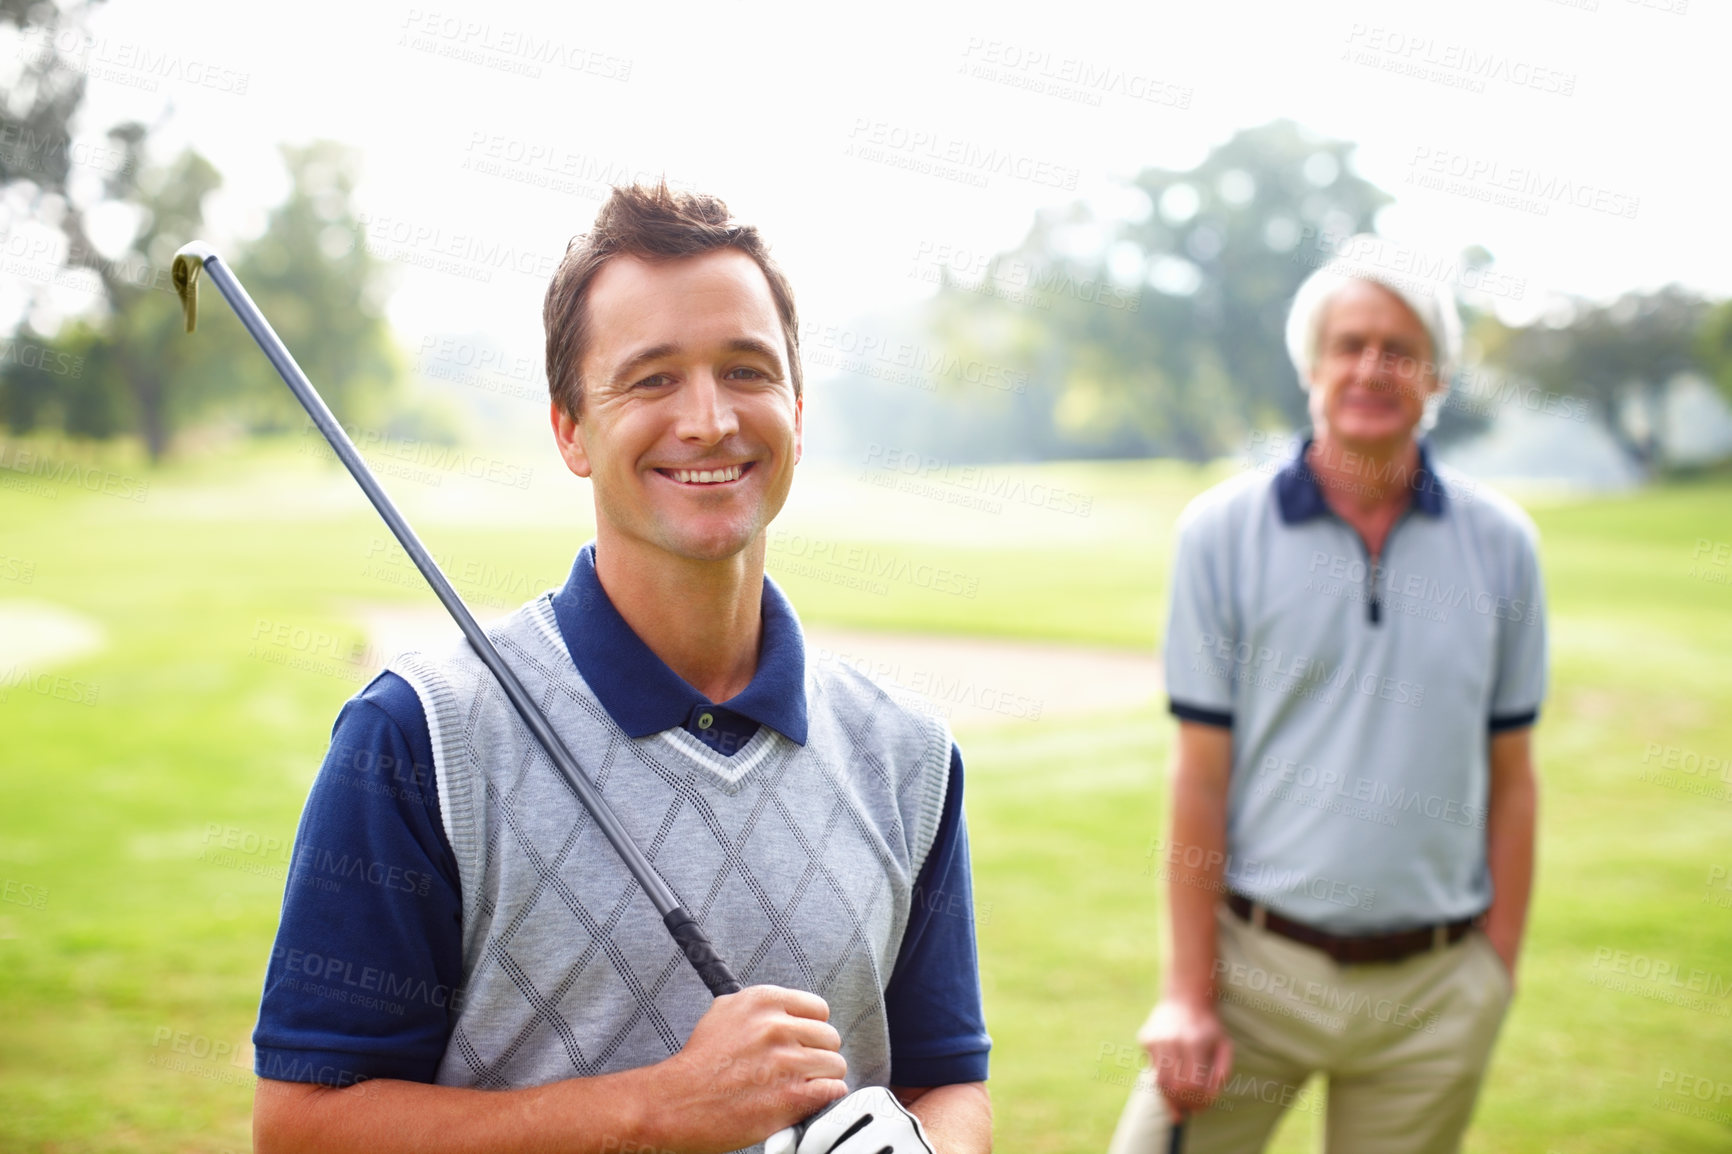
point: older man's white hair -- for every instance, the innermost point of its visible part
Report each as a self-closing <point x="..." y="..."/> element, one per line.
<point x="1357" y="259"/>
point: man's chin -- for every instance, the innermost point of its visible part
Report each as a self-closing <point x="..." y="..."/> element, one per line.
<point x="713" y="547"/>
<point x="1371" y="435"/>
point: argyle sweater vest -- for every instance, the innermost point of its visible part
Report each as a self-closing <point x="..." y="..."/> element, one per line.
<point x="799" y="862"/>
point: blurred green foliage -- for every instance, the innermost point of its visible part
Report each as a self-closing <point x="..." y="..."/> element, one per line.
<point x="1619" y="357"/>
<point x="128" y="367"/>
<point x="121" y="364"/>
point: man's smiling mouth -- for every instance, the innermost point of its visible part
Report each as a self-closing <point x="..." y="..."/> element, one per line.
<point x="706" y="476"/>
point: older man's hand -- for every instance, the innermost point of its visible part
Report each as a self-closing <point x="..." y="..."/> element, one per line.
<point x="1190" y="1051"/>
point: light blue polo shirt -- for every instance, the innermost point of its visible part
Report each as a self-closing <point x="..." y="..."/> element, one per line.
<point x="1361" y="692"/>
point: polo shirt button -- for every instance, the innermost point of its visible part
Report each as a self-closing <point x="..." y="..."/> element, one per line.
<point x="705" y="720"/>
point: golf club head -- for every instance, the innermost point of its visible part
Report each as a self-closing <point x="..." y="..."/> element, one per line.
<point x="188" y="263"/>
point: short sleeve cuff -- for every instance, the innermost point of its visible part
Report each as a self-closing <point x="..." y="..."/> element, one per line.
<point x="331" y="1067"/>
<point x="1504" y="722"/>
<point x="1215" y="717"/>
<point x="940" y="1070"/>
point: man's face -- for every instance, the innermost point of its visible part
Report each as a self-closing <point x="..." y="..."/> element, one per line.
<point x="1374" y="369"/>
<point x="690" y="427"/>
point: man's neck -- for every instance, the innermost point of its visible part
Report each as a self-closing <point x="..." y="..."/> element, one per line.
<point x="704" y="619"/>
<point x="1364" y="480"/>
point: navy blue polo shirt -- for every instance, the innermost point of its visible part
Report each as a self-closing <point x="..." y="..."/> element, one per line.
<point x="369" y="951"/>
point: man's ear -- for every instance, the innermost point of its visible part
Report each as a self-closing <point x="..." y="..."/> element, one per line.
<point x="799" y="426"/>
<point x="568" y="435"/>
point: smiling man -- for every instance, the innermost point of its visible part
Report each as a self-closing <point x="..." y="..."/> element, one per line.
<point x="521" y="993"/>
<point x="1356" y="655"/>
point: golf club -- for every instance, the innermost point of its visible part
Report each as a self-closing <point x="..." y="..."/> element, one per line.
<point x="198" y="257"/>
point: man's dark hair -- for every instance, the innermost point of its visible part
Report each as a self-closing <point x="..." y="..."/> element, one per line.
<point x="651" y="224"/>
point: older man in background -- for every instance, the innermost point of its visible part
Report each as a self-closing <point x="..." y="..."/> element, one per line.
<point x="1356" y="657"/>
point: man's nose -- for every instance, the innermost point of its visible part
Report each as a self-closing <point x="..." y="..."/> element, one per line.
<point x="1373" y="365"/>
<point x="706" y="413"/>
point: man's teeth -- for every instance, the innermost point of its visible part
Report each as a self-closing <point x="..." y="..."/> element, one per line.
<point x="706" y="476"/>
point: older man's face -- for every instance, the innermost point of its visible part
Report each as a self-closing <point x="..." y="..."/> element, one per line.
<point x="1374" y="369"/>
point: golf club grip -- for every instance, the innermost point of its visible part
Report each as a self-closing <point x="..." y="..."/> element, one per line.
<point x="695" y="944"/>
<point x="1176" y="1138"/>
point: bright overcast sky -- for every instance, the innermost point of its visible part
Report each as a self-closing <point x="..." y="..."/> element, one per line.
<point x="483" y="126"/>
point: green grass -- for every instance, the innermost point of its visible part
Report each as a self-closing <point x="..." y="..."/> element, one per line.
<point x="122" y="993"/>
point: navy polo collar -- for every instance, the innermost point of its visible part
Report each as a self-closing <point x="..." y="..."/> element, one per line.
<point x="1300" y="497"/>
<point x="644" y="696"/>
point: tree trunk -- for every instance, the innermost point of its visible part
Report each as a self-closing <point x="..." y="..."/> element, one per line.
<point x="1640" y="453"/>
<point x="147" y="390"/>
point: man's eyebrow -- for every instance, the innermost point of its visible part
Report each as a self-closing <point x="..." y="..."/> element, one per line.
<point x="629" y="367"/>
<point x="754" y="345"/>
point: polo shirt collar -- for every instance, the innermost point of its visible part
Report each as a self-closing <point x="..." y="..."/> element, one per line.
<point x="1300" y="497"/>
<point x="644" y="696"/>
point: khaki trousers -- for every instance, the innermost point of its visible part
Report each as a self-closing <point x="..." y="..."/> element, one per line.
<point x="1403" y="1047"/>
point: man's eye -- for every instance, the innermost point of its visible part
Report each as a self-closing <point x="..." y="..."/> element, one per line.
<point x="745" y="373"/>
<point x="654" y="381"/>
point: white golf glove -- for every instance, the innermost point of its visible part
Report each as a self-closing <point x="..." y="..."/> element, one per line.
<point x="869" y="1121"/>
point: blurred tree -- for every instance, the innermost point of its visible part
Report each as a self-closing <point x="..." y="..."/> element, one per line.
<point x="136" y="369"/>
<point x="53" y="175"/>
<point x="324" y="294"/>
<point x="1714" y="346"/>
<point x="51" y="178"/>
<point x="42" y="93"/>
<point x="1160" y="329"/>
<point x="140" y="372"/>
<point x="1619" y="357"/>
<point x="81" y="376"/>
<point x="123" y="363"/>
<point x="49" y="174"/>
<point x="45" y="385"/>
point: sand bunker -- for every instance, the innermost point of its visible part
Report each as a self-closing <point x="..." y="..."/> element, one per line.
<point x="37" y="634"/>
<point x="968" y="681"/>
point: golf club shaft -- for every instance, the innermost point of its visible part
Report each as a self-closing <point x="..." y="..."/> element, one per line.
<point x="693" y="942"/>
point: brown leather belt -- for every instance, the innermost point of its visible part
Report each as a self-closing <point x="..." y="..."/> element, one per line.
<point x="1353" y="951"/>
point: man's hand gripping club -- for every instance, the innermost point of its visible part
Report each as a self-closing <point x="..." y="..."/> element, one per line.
<point x="768" y="1057"/>
<point x="757" y="1060"/>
